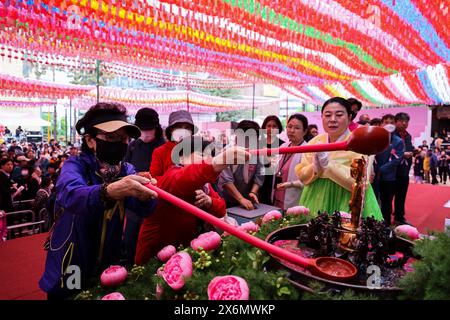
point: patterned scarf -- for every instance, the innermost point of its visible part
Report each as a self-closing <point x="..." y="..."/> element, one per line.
<point x="109" y="172"/>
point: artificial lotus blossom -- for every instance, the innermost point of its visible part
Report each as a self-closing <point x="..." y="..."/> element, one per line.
<point x="165" y="253"/>
<point x="249" y="227"/>
<point x="114" y="296"/>
<point x="159" y="291"/>
<point x="246" y="227"/>
<point x="271" y="216"/>
<point x="408" y="231"/>
<point x="228" y="288"/>
<point x="113" y="276"/>
<point x="177" y="270"/>
<point x="207" y="241"/>
<point x="297" y="210"/>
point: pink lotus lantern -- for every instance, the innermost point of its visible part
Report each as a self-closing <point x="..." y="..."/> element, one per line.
<point x="297" y="210"/>
<point x="113" y="276"/>
<point x="228" y="288"/>
<point x="207" y="241"/>
<point x="271" y="215"/>
<point x="408" y="231"/>
<point x="114" y="296"/>
<point x="177" y="270"/>
<point x="165" y="253"/>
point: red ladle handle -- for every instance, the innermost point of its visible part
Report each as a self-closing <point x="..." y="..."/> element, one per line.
<point x="343" y="145"/>
<point x="366" y="140"/>
<point x="276" y="251"/>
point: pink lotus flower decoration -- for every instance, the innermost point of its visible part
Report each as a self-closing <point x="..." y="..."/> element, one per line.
<point x="228" y="288"/>
<point x="113" y="276"/>
<point x="271" y="215"/>
<point x="159" y="291"/>
<point x="160" y="272"/>
<point x="207" y="241"/>
<point x="246" y="227"/>
<point x="165" y="253"/>
<point x="297" y="210"/>
<point x="114" y="296"/>
<point x="249" y="227"/>
<point x="177" y="270"/>
<point x="407" y="230"/>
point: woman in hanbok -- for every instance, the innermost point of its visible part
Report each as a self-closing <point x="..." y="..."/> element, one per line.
<point x="326" y="175"/>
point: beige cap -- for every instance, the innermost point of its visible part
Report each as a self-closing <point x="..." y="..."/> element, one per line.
<point x="111" y="126"/>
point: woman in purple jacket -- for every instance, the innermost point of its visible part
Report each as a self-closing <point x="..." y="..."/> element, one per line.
<point x="93" y="191"/>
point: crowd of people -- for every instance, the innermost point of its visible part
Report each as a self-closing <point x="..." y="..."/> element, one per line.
<point x="431" y="162"/>
<point x="28" y="173"/>
<point x="101" y="212"/>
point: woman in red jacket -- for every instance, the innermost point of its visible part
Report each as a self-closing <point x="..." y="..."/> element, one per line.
<point x="180" y="126"/>
<point x="190" y="181"/>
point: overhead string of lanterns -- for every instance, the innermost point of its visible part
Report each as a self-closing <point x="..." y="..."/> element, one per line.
<point x="25" y="104"/>
<point x="11" y="86"/>
<point x="166" y="101"/>
<point x="383" y="52"/>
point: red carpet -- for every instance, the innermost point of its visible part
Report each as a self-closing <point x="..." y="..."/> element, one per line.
<point x="425" y="206"/>
<point x="22" y="260"/>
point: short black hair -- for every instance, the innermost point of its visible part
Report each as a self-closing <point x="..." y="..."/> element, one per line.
<point x="358" y="104"/>
<point x="275" y="119"/>
<point x="353" y="101"/>
<point x="343" y="102"/>
<point x="300" y="118"/>
<point x="402" y="116"/>
<point x="246" y="125"/>
<point x="52" y="165"/>
<point x="5" y="161"/>
<point x="387" y="116"/>
<point x="46" y="181"/>
<point x="375" y="122"/>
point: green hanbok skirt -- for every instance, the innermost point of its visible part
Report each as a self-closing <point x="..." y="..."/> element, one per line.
<point x="326" y="195"/>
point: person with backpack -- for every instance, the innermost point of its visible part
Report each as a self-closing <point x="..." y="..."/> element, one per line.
<point x="92" y="193"/>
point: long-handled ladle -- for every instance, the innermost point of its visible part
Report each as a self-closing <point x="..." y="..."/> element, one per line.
<point x="364" y="140"/>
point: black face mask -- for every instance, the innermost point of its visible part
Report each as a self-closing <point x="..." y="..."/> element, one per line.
<point x="110" y="152"/>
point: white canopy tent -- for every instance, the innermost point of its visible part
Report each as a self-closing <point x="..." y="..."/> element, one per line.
<point x="29" y="121"/>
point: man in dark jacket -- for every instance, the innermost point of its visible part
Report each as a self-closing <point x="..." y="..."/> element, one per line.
<point x="6" y="167"/>
<point x="93" y="191"/>
<point x="387" y="163"/>
<point x="401" y="188"/>
<point x="139" y="154"/>
<point x="434" y="162"/>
